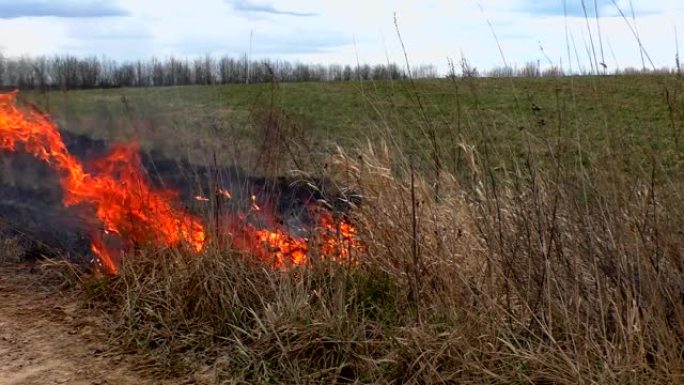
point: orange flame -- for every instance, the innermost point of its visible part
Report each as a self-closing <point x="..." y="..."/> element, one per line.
<point x="127" y="206"/>
<point x="338" y="238"/>
<point x="330" y="239"/>
<point x="224" y="193"/>
<point x="219" y="192"/>
<point x="124" y="202"/>
<point x="255" y="206"/>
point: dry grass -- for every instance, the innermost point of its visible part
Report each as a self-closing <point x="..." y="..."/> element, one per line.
<point x="550" y="252"/>
<point x="526" y="275"/>
<point x="10" y="249"/>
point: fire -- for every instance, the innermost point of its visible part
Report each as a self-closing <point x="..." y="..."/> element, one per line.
<point x="255" y="206"/>
<point x="283" y="248"/>
<point x="219" y="192"/>
<point x="224" y="193"/>
<point x="329" y="240"/>
<point x="128" y="207"/>
<point x="124" y="202"/>
<point x="339" y="238"/>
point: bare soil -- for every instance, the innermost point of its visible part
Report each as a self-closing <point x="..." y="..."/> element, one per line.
<point x="50" y="336"/>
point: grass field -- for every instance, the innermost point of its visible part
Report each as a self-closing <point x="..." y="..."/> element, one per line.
<point x="514" y="231"/>
<point x="628" y="114"/>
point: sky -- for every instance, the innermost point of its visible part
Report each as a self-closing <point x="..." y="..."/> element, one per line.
<point x="489" y="33"/>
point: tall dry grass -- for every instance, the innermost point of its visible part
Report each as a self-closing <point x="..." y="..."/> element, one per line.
<point x="524" y="275"/>
<point x="550" y="264"/>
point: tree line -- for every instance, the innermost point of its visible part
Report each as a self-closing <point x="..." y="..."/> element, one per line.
<point x="534" y="70"/>
<point x="71" y="72"/>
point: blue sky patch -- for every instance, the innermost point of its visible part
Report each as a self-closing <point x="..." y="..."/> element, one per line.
<point x="13" y="9"/>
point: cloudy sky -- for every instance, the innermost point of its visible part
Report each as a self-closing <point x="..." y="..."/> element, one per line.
<point x="340" y="31"/>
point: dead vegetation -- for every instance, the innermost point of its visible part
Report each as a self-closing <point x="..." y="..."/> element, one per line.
<point x="528" y="275"/>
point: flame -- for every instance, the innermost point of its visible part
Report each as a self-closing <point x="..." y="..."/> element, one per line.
<point x="219" y="192"/>
<point x="284" y="249"/>
<point x="126" y="205"/>
<point x="339" y="238"/>
<point x="335" y="240"/>
<point x="255" y="206"/>
<point x="124" y="202"/>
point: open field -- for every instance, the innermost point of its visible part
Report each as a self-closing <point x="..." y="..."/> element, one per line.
<point x="636" y="116"/>
<point x="512" y="231"/>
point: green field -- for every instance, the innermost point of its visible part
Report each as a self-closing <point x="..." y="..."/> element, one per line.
<point x="627" y="119"/>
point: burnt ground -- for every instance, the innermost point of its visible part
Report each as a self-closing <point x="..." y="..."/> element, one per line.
<point x="49" y="336"/>
<point x="31" y="199"/>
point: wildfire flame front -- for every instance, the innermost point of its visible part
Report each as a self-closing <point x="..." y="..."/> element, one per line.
<point x="126" y="205"/>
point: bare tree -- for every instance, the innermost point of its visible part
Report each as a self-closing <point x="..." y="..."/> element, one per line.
<point x="70" y="72"/>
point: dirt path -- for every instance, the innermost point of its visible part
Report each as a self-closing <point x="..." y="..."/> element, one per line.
<point x="47" y="337"/>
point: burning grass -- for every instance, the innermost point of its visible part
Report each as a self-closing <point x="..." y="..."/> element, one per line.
<point x="123" y="201"/>
<point x="127" y="206"/>
<point x="528" y="280"/>
<point x="543" y="263"/>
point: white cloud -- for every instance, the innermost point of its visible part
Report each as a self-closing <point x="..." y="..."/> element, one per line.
<point x="29" y="36"/>
<point x="253" y="7"/>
